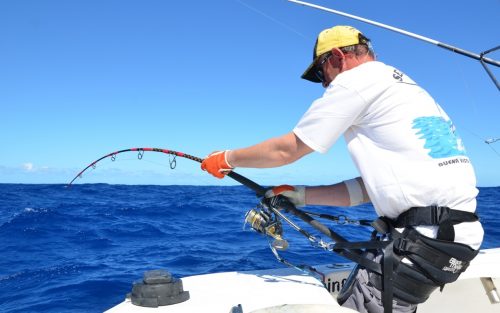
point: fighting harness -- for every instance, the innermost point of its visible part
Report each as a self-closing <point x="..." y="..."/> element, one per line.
<point x="412" y="265"/>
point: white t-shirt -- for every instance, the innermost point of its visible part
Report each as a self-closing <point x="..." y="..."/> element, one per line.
<point x="402" y="142"/>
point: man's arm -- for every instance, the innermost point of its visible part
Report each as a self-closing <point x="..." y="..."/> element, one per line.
<point x="273" y="152"/>
<point x="347" y="193"/>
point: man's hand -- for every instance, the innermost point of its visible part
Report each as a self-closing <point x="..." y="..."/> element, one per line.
<point x="216" y="164"/>
<point x="295" y="194"/>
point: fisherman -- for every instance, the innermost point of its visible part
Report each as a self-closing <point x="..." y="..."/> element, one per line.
<point x="413" y="165"/>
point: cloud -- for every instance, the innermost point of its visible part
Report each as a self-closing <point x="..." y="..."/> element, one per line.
<point x="30" y="173"/>
<point x="28" y="167"/>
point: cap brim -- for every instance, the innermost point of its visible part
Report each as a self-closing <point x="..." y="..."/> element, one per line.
<point x="309" y="73"/>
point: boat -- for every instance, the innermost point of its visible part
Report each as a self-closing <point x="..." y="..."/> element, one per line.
<point x="290" y="290"/>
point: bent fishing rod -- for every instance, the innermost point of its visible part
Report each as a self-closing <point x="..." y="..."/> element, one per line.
<point x="280" y="201"/>
<point x="480" y="57"/>
<point x="259" y="190"/>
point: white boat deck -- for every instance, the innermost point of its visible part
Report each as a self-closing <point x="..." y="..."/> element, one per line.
<point x="288" y="290"/>
<point x="254" y="290"/>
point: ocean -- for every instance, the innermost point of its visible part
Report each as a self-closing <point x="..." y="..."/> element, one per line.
<point x="79" y="249"/>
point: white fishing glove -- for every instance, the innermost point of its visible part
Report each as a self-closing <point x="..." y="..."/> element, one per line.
<point x="295" y="194"/>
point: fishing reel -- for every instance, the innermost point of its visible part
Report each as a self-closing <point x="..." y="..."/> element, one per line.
<point x="265" y="221"/>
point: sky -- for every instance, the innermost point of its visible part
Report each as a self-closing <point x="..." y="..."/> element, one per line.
<point x="81" y="79"/>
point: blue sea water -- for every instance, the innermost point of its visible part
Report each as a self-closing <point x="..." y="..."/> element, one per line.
<point x="80" y="249"/>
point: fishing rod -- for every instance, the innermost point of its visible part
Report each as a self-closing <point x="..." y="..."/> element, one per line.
<point x="259" y="190"/>
<point x="480" y="57"/>
<point x="267" y="216"/>
<point x="279" y="203"/>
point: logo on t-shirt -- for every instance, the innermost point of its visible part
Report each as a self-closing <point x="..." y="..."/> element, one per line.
<point x="398" y="75"/>
<point x="440" y="137"/>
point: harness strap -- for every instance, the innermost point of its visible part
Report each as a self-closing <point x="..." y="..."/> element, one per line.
<point x="388" y="289"/>
<point x="410" y="244"/>
<point x="385" y="269"/>
<point x="343" y="249"/>
<point x="441" y="216"/>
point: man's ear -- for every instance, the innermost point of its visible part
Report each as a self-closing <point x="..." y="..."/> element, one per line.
<point x="337" y="58"/>
<point x="338" y="53"/>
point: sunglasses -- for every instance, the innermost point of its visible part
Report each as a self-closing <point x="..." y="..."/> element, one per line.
<point x="318" y="69"/>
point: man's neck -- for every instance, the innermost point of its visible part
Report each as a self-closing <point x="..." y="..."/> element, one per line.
<point x="353" y="62"/>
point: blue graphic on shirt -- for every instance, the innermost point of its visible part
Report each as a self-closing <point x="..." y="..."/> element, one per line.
<point x="440" y="137"/>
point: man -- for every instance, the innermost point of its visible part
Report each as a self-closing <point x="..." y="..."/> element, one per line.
<point x="413" y="166"/>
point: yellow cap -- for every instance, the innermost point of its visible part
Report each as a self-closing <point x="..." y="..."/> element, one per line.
<point x="335" y="37"/>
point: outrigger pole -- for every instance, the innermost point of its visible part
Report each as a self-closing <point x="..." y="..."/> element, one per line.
<point x="480" y="57"/>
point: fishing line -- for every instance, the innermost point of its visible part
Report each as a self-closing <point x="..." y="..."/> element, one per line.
<point x="271" y="18"/>
<point x="490" y="141"/>
<point x="473" y="101"/>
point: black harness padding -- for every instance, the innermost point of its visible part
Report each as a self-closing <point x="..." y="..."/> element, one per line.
<point x="439" y="260"/>
<point x="413" y="265"/>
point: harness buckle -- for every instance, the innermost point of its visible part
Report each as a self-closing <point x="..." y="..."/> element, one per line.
<point x="401" y="244"/>
<point x="382" y="225"/>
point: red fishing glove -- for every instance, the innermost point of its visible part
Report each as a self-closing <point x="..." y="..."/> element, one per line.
<point x="216" y="164"/>
<point x="295" y="194"/>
